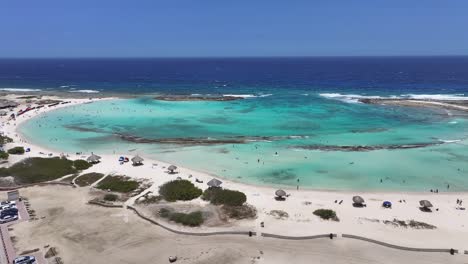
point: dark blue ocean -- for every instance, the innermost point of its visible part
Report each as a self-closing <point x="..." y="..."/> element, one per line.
<point x="361" y="75"/>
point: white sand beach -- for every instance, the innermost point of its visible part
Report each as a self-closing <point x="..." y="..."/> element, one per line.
<point x="451" y="223"/>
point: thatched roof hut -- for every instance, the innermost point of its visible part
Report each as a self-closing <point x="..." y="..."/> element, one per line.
<point x="137" y="160"/>
<point x="425" y="203"/>
<point x="93" y="158"/>
<point x="280" y="193"/>
<point x="358" y="200"/>
<point x="214" y="183"/>
<point x="172" y="168"/>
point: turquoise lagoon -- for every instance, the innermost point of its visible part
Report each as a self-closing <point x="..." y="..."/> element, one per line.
<point x="275" y="129"/>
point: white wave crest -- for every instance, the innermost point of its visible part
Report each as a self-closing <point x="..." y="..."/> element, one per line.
<point x="354" y="98"/>
<point x="20" y="90"/>
<point x="247" y="95"/>
<point x="448" y="97"/>
<point x="84" y="91"/>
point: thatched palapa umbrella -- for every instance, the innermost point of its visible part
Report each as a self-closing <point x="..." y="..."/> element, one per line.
<point x="214" y="183"/>
<point x="137" y="160"/>
<point x="172" y="168"/>
<point x="425" y="203"/>
<point x="358" y="200"/>
<point x="93" y="158"/>
<point x="280" y="193"/>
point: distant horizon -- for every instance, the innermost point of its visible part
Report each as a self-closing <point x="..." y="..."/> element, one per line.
<point x="243" y="57"/>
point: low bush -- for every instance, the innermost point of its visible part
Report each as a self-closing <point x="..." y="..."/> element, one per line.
<point x="88" y="178"/>
<point x="239" y="212"/>
<point x="219" y="196"/>
<point x="35" y="170"/>
<point x="111" y="197"/>
<point x="190" y="219"/>
<point x="16" y="151"/>
<point x="326" y="214"/>
<point x="4" y="155"/>
<point x="81" y="164"/>
<point x="4" y="140"/>
<point x="120" y="184"/>
<point x="182" y="190"/>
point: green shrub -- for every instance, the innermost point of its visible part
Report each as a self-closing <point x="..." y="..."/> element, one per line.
<point x="4" y="155"/>
<point x="218" y="196"/>
<point x="191" y="219"/>
<point x="120" y="184"/>
<point x="164" y="213"/>
<point x="182" y="190"/>
<point x="4" y="140"/>
<point x="81" y="164"/>
<point x="88" y="178"/>
<point x="326" y="214"/>
<point x="111" y="197"/>
<point x="16" y="151"/>
<point x="34" y="170"/>
<point x="239" y="212"/>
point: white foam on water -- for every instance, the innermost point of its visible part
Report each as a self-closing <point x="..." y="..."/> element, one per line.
<point x="84" y="91"/>
<point x="435" y="96"/>
<point x="354" y="98"/>
<point x="20" y="90"/>
<point x="246" y="95"/>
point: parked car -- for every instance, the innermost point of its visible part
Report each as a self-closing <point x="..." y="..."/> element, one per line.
<point x="11" y="211"/>
<point x="8" y="203"/>
<point x="8" y="206"/>
<point x="8" y="218"/>
<point x="24" y="260"/>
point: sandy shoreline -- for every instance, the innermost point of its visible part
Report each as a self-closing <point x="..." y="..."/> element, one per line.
<point x="452" y="224"/>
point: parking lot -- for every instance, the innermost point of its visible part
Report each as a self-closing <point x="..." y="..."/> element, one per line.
<point x="7" y="251"/>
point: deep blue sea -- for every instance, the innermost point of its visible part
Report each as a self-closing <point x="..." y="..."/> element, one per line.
<point x="298" y="122"/>
<point x="362" y="75"/>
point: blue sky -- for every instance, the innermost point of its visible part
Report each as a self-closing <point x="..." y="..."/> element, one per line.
<point x="202" y="28"/>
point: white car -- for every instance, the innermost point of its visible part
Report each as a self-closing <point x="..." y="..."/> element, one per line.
<point x="8" y="218"/>
<point x="8" y="203"/>
<point x="25" y="260"/>
<point x="8" y="206"/>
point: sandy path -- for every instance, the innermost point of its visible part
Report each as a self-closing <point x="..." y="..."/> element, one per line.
<point x="90" y="234"/>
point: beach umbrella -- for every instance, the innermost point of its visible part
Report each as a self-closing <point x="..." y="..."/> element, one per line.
<point x="214" y="183"/>
<point x="425" y="203"/>
<point x="387" y="204"/>
<point x="358" y="200"/>
<point x="93" y="158"/>
<point x="280" y="193"/>
<point x="172" y="168"/>
<point x="137" y="159"/>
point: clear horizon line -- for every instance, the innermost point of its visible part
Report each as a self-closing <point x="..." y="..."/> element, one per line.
<point x="240" y="57"/>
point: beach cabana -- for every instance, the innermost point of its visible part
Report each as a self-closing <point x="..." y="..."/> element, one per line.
<point x="214" y="183"/>
<point x="93" y="158"/>
<point x="137" y="160"/>
<point x="358" y="201"/>
<point x="425" y="206"/>
<point x="280" y="194"/>
<point x="172" y="168"/>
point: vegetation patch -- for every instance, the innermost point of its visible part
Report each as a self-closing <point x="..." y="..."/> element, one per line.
<point x="190" y="219"/>
<point x="219" y="196"/>
<point x="120" y="184"/>
<point x="4" y="155"/>
<point x="88" y="178"/>
<point x="182" y="190"/>
<point x="279" y="214"/>
<point x="16" y="151"/>
<point x="4" y="140"/>
<point x="239" y="212"/>
<point x="81" y="164"/>
<point x="326" y="214"/>
<point x="35" y="170"/>
<point x="110" y="197"/>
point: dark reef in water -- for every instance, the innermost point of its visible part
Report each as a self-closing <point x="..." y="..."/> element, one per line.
<point x="359" y="148"/>
<point x="180" y="98"/>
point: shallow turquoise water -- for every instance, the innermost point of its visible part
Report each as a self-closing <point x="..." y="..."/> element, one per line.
<point x="289" y="122"/>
